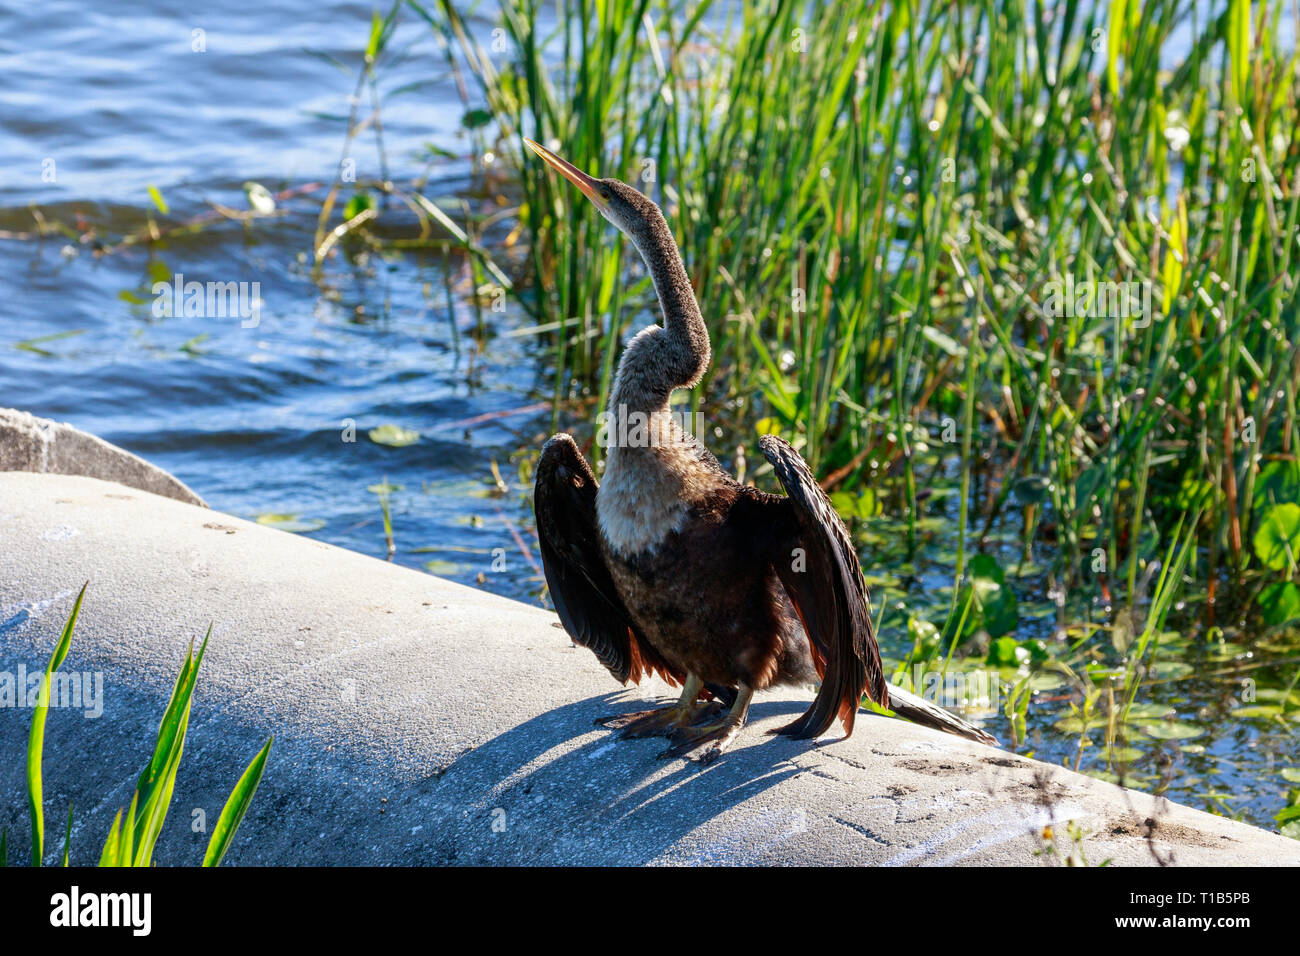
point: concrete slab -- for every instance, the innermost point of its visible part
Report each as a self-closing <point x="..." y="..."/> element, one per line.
<point x="421" y="722"/>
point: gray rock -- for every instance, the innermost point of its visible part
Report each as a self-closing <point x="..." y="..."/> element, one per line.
<point x="28" y="443"/>
<point x="420" y="722"/>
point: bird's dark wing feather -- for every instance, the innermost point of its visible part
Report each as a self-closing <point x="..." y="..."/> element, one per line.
<point x="584" y="594"/>
<point x="827" y="590"/>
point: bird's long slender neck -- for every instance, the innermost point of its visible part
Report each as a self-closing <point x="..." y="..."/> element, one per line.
<point x="660" y="360"/>
<point x="653" y="472"/>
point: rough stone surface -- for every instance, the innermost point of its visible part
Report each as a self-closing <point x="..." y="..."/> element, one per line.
<point x="420" y="722"/>
<point x="28" y="443"/>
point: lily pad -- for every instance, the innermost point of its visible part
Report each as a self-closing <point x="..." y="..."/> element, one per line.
<point x="1100" y="774"/>
<point x="1149" y="711"/>
<point x="1171" y="730"/>
<point x="1257" y="712"/>
<point x="1124" y="755"/>
<point x="394" y="436"/>
<point x="1045" y="681"/>
<point x="1074" y="724"/>
<point x="1172" y="670"/>
<point x="291" y="523"/>
<point x="1278" y="696"/>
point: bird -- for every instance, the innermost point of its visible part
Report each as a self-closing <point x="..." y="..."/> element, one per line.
<point x="670" y="567"/>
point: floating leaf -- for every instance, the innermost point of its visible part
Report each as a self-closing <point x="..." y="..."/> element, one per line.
<point x="1150" y="712"/>
<point x="1257" y="712"/>
<point x="1123" y="755"/>
<point x="1045" y="682"/>
<point x="1278" y="696"/>
<point x="1074" y="723"/>
<point x="1100" y="672"/>
<point x="1171" y="730"/>
<point x="291" y="523"/>
<point x="394" y="436"/>
<point x="1172" y="670"/>
<point x="1291" y="774"/>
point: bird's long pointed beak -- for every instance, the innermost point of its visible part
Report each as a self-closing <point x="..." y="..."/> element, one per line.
<point x="570" y="172"/>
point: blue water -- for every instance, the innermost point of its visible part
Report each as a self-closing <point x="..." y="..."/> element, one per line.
<point x="100" y="103"/>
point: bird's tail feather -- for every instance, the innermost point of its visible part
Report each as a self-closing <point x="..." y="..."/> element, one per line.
<point x="920" y="711"/>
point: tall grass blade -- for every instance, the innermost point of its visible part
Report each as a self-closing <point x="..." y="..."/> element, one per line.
<point x="232" y="814"/>
<point x="36" y="740"/>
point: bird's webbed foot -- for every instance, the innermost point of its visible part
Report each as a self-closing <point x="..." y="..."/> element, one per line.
<point x="687" y="712"/>
<point x="715" y="736"/>
<point x="660" y="720"/>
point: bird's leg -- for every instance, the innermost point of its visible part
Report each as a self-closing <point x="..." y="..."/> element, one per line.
<point x="719" y="733"/>
<point x="688" y="710"/>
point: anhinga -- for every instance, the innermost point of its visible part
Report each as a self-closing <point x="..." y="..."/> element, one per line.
<point x="672" y="567"/>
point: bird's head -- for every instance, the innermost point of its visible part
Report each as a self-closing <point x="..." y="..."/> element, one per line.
<point x="657" y="360"/>
<point x="633" y="213"/>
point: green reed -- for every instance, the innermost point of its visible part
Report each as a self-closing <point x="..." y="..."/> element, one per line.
<point x="876" y="205"/>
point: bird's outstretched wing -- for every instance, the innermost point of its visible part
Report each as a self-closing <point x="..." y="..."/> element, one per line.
<point x="584" y="594"/>
<point x="824" y="582"/>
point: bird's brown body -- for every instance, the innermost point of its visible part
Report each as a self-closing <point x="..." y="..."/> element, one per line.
<point x="672" y="567"/>
<point x="703" y="601"/>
